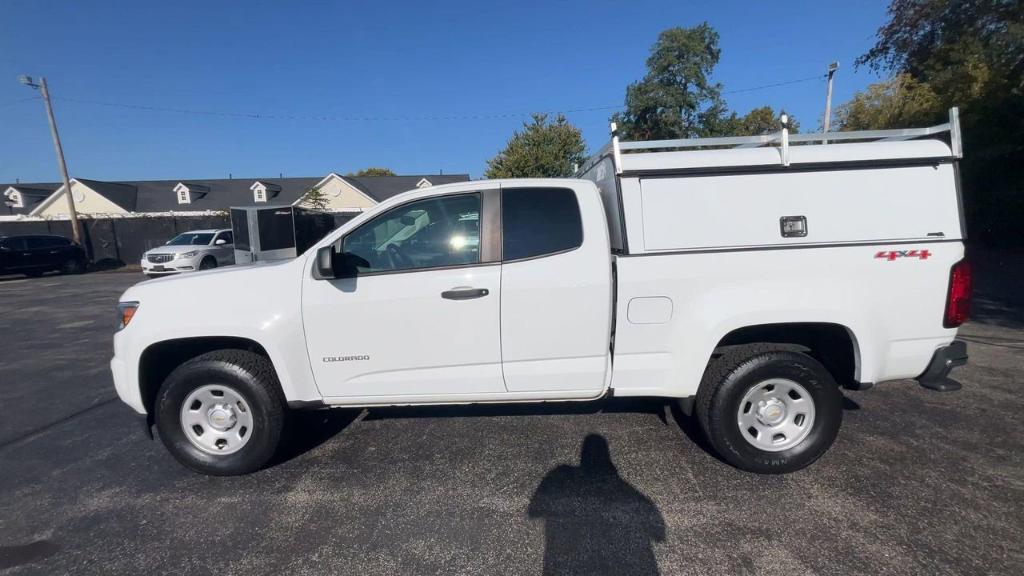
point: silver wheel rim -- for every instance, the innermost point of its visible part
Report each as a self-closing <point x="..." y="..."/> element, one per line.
<point x="216" y="419"/>
<point x="776" y="414"/>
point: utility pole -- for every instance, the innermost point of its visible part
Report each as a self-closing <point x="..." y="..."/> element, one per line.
<point x="76" y="231"/>
<point x="828" y="101"/>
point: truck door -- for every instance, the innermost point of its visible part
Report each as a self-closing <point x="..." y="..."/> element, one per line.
<point x="556" y="289"/>
<point x="421" y="318"/>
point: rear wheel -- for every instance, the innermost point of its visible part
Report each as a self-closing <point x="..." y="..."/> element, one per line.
<point x="221" y="413"/>
<point x="769" y="410"/>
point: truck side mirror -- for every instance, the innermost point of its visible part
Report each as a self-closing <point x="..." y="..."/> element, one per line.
<point x="323" y="268"/>
<point x="331" y="264"/>
<point x="220" y="242"/>
<point x="347" y="265"/>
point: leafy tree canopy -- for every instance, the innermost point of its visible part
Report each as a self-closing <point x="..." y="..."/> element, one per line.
<point x="676" y="99"/>
<point x="759" y="121"/>
<point x="898" y="102"/>
<point x="956" y="45"/>
<point x="372" y="171"/>
<point x="541" y="149"/>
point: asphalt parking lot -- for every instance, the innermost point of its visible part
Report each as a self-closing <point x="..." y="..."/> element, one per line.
<point x="918" y="482"/>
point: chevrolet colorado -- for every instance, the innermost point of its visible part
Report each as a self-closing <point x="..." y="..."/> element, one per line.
<point x="749" y="278"/>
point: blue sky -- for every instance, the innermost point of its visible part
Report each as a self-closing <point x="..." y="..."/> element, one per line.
<point x="364" y="82"/>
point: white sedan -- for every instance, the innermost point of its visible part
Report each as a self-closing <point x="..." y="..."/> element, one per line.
<point x="190" y="251"/>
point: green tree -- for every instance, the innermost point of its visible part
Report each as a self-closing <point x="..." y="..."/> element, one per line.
<point x="372" y="171"/>
<point x="315" y="198"/>
<point x="963" y="48"/>
<point x="542" y="149"/>
<point x="676" y="99"/>
<point x="759" y="121"/>
<point x="898" y="102"/>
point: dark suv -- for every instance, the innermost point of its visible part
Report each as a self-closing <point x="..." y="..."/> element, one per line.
<point x="34" y="254"/>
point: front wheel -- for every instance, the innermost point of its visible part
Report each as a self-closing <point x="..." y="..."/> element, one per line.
<point x="208" y="263"/>
<point x="769" y="410"/>
<point x="221" y="413"/>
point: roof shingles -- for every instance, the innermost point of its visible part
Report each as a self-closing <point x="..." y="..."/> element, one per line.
<point x="220" y="194"/>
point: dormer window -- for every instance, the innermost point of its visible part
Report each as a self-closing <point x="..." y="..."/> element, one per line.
<point x="186" y="193"/>
<point x="423" y="183"/>
<point x="14" y="199"/>
<point x="261" y="191"/>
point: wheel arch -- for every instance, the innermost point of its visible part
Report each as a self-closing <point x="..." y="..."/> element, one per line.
<point x="834" y="345"/>
<point x="159" y="359"/>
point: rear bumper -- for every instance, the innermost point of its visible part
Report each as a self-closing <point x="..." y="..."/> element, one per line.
<point x="936" y="376"/>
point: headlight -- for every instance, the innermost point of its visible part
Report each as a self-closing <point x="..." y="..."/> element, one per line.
<point x="191" y="254"/>
<point x="125" y="313"/>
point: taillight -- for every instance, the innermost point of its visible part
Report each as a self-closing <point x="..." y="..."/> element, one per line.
<point x="958" y="300"/>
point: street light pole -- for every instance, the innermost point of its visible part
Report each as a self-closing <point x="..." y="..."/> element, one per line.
<point x="76" y="231"/>
<point x="828" y="101"/>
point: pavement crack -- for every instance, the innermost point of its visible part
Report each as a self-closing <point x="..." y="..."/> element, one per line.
<point x="46" y="427"/>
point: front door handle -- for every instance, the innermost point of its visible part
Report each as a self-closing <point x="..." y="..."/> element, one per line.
<point x="464" y="293"/>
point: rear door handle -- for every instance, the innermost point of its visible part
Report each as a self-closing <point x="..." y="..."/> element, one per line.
<point x="464" y="293"/>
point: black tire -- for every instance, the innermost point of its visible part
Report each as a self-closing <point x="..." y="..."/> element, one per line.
<point x="727" y="380"/>
<point x="208" y="263"/>
<point x="34" y="273"/>
<point x="72" y="266"/>
<point x="250" y="375"/>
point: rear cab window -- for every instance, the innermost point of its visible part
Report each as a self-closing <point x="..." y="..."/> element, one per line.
<point x="539" y="222"/>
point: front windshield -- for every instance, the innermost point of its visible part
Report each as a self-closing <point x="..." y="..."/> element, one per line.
<point x="191" y="239"/>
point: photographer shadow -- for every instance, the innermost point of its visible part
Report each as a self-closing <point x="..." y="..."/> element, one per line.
<point x="594" y="521"/>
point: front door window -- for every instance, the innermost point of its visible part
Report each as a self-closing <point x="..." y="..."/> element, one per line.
<point x="432" y="233"/>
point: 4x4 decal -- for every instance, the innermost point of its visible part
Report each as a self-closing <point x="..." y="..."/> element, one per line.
<point x="891" y="255"/>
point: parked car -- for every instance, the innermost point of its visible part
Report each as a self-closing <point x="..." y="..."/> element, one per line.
<point x="190" y="251"/>
<point x="749" y="284"/>
<point x="35" y="254"/>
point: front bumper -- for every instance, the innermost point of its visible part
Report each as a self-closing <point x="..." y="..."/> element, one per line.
<point x="936" y="376"/>
<point x="176" y="266"/>
<point x="124" y="370"/>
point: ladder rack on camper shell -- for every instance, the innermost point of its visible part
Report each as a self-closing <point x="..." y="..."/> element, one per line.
<point x="615" y="148"/>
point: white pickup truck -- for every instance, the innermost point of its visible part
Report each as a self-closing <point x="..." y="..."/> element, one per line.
<point x="750" y="278"/>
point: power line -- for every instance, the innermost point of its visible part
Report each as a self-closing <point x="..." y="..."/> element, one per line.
<point x="402" y="118"/>
<point x="777" y="84"/>
<point x="326" y="117"/>
<point x="18" y="101"/>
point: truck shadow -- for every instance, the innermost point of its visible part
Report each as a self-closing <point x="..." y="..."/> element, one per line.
<point x="654" y="406"/>
<point x="308" y="429"/>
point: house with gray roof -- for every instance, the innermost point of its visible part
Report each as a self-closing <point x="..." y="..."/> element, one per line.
<point x="23" y="198"/>
<point x="98" y="198"/>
